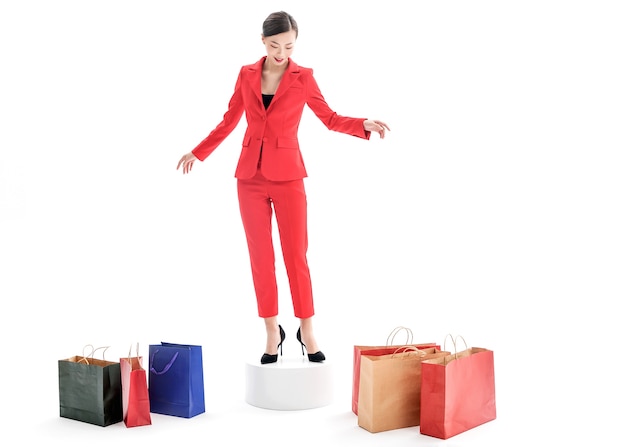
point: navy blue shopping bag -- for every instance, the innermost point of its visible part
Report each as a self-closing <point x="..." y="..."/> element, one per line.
<point x="176" y="380"/>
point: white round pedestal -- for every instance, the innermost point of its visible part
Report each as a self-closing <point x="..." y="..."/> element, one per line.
<point x="289" y="384"/>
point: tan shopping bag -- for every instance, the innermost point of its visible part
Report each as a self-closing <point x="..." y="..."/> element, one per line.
<point x="390" y="387"/>
<point x="389" y="348"/>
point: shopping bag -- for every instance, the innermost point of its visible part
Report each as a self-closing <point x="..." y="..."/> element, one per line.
<point x="135" y="397"/>
<point x="389" y="391"/>
<point x="176" y="380"/>
<point x="90" y="389"/>
<point x="458" y="392"/>
<point x="389" y="348"/>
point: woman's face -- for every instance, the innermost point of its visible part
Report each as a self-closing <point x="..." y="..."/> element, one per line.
<point x="279" y="47"/>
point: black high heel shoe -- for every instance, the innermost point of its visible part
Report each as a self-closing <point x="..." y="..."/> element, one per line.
<point x="273" y="358"/>
<point x="317" y="357"/>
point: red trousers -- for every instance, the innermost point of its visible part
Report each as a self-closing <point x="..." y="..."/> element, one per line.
<point x="257" y="197"/>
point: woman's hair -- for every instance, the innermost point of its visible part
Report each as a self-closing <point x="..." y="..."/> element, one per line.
<point x="279" y="22"/>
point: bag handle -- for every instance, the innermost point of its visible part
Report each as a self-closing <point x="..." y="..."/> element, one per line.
<point x="395" y="331"/>
<point x="166" y="368"/>
<point x="408" y="350"/>
<point x="130" y="362"/>
<point x="454" y="343"/>
<point x="93" y="350"/>
<point x="136" y="351"/>
<point x="84" y="359"/>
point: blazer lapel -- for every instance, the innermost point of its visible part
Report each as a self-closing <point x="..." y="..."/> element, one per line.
<point x="290" y="75"/>
<point x="254" y="79"/>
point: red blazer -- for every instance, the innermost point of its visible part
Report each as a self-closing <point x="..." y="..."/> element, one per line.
<point x="276" y="129"/>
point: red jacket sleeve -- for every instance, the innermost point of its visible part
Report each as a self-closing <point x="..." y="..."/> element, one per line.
<point x="225" y="127"/>
<point x="338" y="123"/>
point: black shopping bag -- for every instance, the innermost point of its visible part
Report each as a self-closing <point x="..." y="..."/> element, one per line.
<point x="90" y="389"/>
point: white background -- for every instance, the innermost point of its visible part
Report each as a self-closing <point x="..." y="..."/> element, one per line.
<point x="494" y="209"/>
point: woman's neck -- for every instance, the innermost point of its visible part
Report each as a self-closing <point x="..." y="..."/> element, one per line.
<point x="274" y="69"/>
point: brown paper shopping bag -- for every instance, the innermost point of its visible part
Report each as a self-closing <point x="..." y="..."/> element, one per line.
<point x="390" y="386"/>
<point x="389" y="348"/>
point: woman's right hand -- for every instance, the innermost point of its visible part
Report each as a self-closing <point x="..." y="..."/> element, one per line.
<point x="376" y="126"/>
<point x="186" y="162"/>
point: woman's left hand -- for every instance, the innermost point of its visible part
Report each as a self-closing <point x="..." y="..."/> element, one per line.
<point x="376" y="126"/>
<point x="187" y="162"/>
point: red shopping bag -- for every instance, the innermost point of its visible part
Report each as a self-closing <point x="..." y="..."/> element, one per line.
<point x="135" y="397"/>
<point x="388" y="348"/>
<point x="458" y="392"/>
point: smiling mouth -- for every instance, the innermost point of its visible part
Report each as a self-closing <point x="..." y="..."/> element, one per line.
<point x="278" y="60"/>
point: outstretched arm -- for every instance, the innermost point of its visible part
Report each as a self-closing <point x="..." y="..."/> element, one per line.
<point x="376" y="126"/>
<point x="358" y="127"/>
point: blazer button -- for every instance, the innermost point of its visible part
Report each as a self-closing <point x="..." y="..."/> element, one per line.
<point x="265" y="139"/>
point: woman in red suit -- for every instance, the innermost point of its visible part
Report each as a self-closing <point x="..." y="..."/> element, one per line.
<point x="272" y="92"/>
